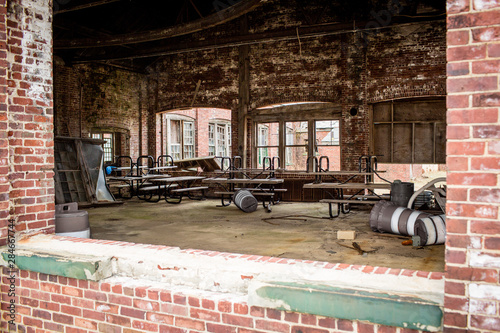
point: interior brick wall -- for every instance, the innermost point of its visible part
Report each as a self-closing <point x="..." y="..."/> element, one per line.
<point x="347" y="69"/>
<point x="99" y="97"/>
<point x="350" y="69"/>
<point x="472" y="289"/>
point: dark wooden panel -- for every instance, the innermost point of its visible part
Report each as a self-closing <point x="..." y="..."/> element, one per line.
<point x="402" y="143"/>
<point x="382" y="112"/>
<point x="382" y="142"/>
<point x="420" y="111"/>
<point x="424" y="143"/>
<point x="441" y="143"/>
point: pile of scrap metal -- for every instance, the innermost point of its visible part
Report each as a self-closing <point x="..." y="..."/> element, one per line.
<point x="425" y="228"/>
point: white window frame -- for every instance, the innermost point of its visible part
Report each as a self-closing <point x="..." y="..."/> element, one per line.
<point x="186" y="148"/>
<point x="221" y="138"/>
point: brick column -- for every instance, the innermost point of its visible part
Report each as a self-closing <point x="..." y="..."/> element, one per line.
<point x="26" y="137"/>
<point x="4" y="124"/>
<point x="472" y="299"/>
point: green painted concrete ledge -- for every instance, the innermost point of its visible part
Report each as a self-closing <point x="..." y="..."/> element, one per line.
<point x="72" y="267"/>
<point x="343" y="303"/>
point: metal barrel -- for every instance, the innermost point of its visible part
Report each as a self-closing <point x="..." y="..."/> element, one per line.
<point x="401" y="192"/>
<point x="374" y="213"/>
<point x="431" y="230"/>
<point x="389" y="217"/>
<point x="72" y="222"/>
<point x="245" y="201"/>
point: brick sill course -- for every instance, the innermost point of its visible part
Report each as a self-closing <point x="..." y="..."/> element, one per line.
<point x="392" y="297"/>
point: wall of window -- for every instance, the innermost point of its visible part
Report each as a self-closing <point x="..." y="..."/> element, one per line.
<point x="295" y="141"/>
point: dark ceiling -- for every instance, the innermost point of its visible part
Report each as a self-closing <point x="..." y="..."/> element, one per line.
<point x="132" y="34"/>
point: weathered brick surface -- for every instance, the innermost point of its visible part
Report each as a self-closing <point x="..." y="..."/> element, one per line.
<point x="92" y="98"/>
<point x="329" y="68"/>
<point x="26" y="139"/>
<point x="130" y="305"/>
<point x="473" y="162"/>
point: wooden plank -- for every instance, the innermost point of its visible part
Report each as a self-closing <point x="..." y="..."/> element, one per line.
<point x="376" y="197"/>
<point x="352" y="202"/>
<point x="88" y="184"/>
<point x="189" y="189"/>
<point x="208" y="163"/>
<point x="253" y="193"/>
<point x="242" y="181"/>
<point x="154" y="187"/>
<point x="263" y="189"/>
<point x="348" y="186"/>
<point x="332" y="173"/>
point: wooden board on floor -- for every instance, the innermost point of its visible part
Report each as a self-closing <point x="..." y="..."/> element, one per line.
<point x="349" y="186"/>
<point x="207" y="164"/>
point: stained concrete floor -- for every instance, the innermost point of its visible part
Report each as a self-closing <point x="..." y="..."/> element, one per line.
<point x="291" y="230"/>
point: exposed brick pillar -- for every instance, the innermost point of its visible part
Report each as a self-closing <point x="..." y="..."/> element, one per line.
<point x="26" y="137"/>
<point x="4" y="124"/>
<point x="472" y="299"/>
<point x="355" y="136"/>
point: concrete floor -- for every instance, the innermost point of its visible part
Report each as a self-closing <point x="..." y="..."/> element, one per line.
<point x="291" y="230"/>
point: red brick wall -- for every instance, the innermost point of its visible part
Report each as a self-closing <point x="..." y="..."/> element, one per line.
<point x="26" y="149"/>
<point x="123" y="305"/>
<point x="473" y="244"/>
<point x="4" y="125"/>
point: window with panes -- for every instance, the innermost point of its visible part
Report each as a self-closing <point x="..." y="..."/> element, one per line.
<point x="108" y="146"/>
<point x="300" y="140"/>
<point x="180" y="136"/>
<point x="219" y="139"/>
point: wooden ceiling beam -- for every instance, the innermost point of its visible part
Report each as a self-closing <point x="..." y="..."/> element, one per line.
<point x="85" y="6"/>
<point x="247" y="39"/>
<point x="230" y="41"/>
<point x="195" y="8"/>
<point x="223" y="16"/>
